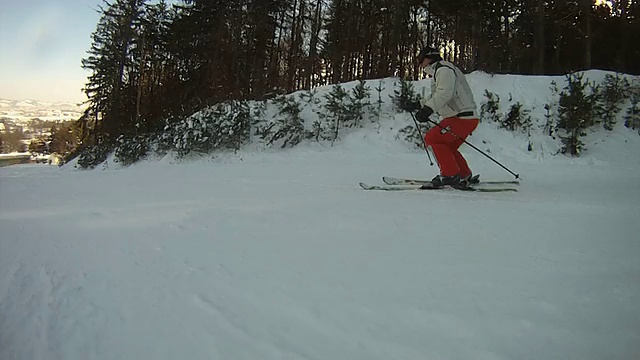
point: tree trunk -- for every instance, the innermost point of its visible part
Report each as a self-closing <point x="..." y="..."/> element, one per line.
<point x="539" y="43"/>
<point x="291" y="63"/>
<point x="476" y="34"/>
<point x="588" y="5"/>
<point x="316" y="27"/>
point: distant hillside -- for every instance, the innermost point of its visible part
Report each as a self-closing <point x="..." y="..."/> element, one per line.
<point x="22" y="112"/>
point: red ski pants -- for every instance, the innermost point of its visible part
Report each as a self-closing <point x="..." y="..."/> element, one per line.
<point x="445" y="145"/>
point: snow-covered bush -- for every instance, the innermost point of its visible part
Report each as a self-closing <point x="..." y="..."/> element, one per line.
<point x="336" y="113"/>
<point x="574" y="114"/>
<point x="404" y="96"/>
<point x="411" y="135"/>
<point x="360" y="104"/>
<point x="632" y="116"/>
<point x="489" y="110"/>
<point x="518" y="118"/>
<point x="310" y="97"/>
<point x="287" y="130"/>
<point x="222" y="126"/>
<point x="94" y="155"/>
<point x="376" y="110"/>
<point x="342" y="110"/>
<point x="614" y="92"/>
<point x="131" y="149"/>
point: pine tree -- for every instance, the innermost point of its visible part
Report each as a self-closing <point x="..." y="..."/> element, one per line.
<point x="62" y="139"/>
<point x="517" y="118"/>
<point x="225" y="126"/>
<point x="337" y="111"/>
<point x="574" y="114"/>
<point x="376" y="110"/>
<point x="632" y="116"/>
<point x="613" y="94"/>
<point x="11" y="140"/>
<point x="130" y="150"/>
<point x="288" y="127"/>
<point x="111" y="65"/>
<point x="153" y="68"/>
<point x="489" y="109"/>
<point x="360" y="103"/>
<point x="404" y="96"/>
<point x="38" y="146"/>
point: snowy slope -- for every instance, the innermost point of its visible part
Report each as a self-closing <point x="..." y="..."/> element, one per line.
<point x="280" y="255"/>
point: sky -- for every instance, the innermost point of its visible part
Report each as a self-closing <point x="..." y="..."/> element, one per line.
<point x="42" y="43"/>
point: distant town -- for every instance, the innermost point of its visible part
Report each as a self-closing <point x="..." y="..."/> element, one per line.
<point x="31" y="130"/>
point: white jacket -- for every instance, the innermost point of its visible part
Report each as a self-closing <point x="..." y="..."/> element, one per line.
<point x="450" y="92"/>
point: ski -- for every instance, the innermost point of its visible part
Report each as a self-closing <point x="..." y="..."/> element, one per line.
<point x="400" y="181"/>
<point x="418" y="187"/>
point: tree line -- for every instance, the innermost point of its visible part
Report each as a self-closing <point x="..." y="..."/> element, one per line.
<point x="151" y="62"/>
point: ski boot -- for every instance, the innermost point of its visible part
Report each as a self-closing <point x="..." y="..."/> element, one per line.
<point x="471" y="179"/>
<point x="454" y="181"/>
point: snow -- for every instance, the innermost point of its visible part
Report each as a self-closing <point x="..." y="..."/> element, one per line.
<point x="280" y="255"/>
<point x="15" y="154"/>
<point x="23" y="112"/>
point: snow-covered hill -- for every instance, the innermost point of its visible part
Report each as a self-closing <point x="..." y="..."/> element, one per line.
<point x="280" y="255"/>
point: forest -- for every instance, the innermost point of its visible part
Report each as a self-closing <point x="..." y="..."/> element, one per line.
<point x="151" y="62"/>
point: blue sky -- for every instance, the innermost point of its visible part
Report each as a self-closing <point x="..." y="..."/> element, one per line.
<point x="42" y="43"/>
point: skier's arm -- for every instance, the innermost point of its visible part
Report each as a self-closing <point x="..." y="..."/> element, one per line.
<point x="445" y="88"/>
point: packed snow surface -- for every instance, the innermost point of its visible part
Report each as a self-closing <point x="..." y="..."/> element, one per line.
<point x="280" y="255"/>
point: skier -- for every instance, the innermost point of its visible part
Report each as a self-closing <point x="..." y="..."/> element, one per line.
<point x="452" y="99"/>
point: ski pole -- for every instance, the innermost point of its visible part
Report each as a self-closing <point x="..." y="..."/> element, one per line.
<point x="423" y="140"/>
<point x="461" y="139"/>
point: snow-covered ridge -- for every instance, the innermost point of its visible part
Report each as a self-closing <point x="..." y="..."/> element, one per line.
<point x="22" y="112"/>
<point x="532" y="92"/>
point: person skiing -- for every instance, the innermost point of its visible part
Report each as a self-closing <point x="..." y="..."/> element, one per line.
<point x="451" y="98"/>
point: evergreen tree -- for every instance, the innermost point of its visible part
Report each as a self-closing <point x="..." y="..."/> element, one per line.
<point x="152" y="68"/>
<point x="111" y="66"/>
<point x="404" y="96"/>
<point x="151" y="62"/>
<point x="38" y="146"/>
<point x="360" y="103"/>
<point x="517" y="118"/>
<point x="337" y="111"/>
<point x="130" y="149"/>
<point x="11" y="140"/>
<point x="62" y="139"/>
<point x="288" y="128"/>
<point x="574" y="114"/>
<point x="632" y="116"/>
<point x="613" y="94"/>
<point x="376" y="110"/>
<point x="490" y="108"/>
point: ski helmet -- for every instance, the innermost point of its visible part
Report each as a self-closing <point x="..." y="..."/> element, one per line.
<point x="429" y="52"/>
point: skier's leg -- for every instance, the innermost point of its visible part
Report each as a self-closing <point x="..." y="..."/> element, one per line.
<point x="441" y="142"/>
<point x="463" y="128"/>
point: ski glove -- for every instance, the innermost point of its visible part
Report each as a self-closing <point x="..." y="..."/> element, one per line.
<point x="423" y="114"/>
<point x="412" y="106"/>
